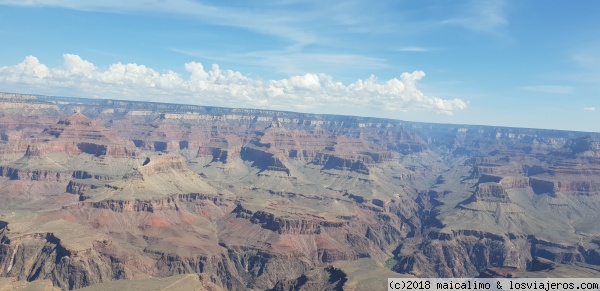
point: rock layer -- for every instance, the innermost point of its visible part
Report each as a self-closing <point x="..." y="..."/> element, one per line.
<point x="280" y="200"/>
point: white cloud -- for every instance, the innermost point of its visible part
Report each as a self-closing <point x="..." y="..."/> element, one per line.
<point x="587" y="57"/>
<point x="260" y="21"/>
<point x="413" y="49"/>
<point x="591" y="109"/>
<point x="298" y="23"/>
<point x="292" y="62"/>
<point x="565" y="90"/>
<point x="488" y="16"/>
<point x="30" y="69"/>
<point x="218" y="87"/>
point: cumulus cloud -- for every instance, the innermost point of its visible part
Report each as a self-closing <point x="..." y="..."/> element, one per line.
<point x="218" y="87"/>
<point x="591" y="109"/>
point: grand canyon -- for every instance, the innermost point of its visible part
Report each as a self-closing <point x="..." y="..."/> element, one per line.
<point x="101" y="194"/>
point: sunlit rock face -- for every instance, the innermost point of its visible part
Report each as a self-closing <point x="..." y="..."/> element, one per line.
<point x="94" y="191"/>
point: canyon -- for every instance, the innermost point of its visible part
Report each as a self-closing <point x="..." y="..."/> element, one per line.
<point x="97" y="193"/>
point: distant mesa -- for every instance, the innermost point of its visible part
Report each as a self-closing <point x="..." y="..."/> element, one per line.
<point x="584" y="147"/>
<point x="163" y="164"/>
<point x="78" y="134"/>
<point x="490" y="192"/>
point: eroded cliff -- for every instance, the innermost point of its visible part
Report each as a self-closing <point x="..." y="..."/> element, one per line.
<point x="280" y="200"/>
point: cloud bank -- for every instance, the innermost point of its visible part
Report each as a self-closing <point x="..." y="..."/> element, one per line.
<point x="217" y="87"/>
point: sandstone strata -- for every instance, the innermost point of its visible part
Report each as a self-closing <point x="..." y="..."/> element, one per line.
<point x="247" y="198"/>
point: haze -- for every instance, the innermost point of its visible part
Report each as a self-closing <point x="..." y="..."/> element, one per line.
<point x="509" y="63"/>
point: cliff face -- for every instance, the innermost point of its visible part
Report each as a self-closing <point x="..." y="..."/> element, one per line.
<point x="263" y="160"/>
<point x="162" y="164"/>
<point x="42" y="256"/>
<point x="465" y="254"/>
<point x="490" y="192"/>
<point x="34" y="175"/>
<point x="78" y="134"/>
<point x="235" y="264"/>
<point x="357" y="164"/>
<point x="263" y="199"/>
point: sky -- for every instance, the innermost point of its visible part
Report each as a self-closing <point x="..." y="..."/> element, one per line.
<point x="520" y="63"/>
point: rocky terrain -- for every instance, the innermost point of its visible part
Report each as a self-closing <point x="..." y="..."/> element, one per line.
<point x="122" y="194"/>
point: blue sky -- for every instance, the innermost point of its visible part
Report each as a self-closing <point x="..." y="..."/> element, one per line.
<point x="512" y="63"/>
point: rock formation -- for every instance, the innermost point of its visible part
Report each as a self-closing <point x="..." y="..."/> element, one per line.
<point x="234" y="199"/>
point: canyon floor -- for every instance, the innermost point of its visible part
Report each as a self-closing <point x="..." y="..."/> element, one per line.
<point x="113" y="195"/>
